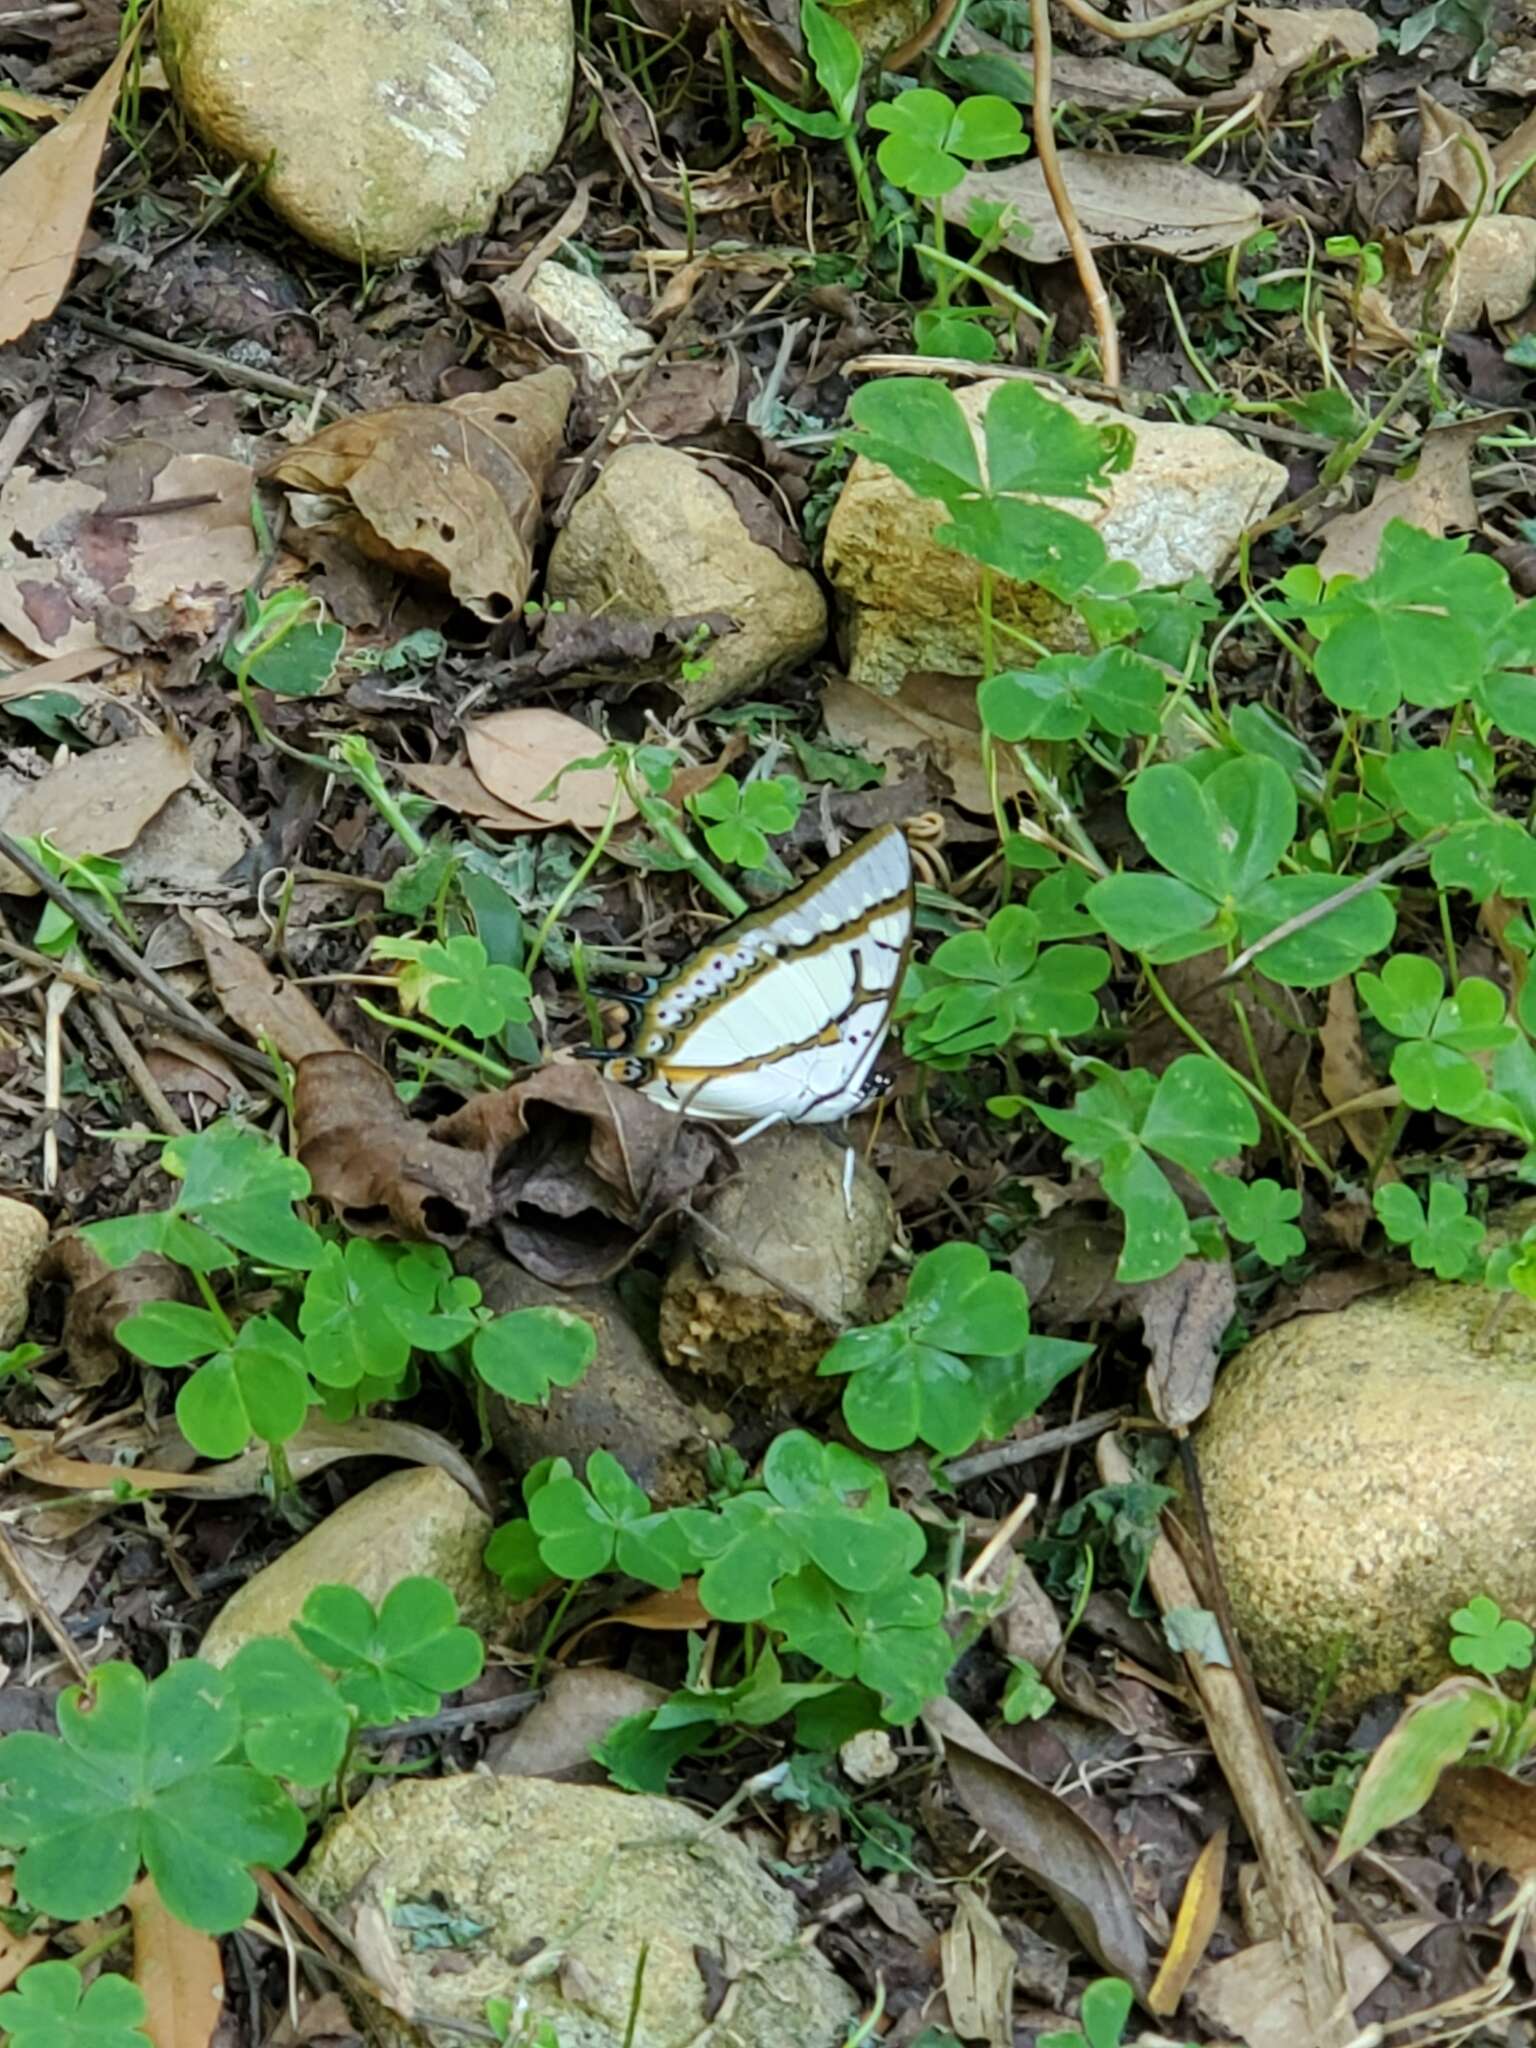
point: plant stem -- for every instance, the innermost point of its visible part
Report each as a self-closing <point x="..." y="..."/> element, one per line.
<point x="492" y="1068"/>
<point x="551" y="1630"/>
<point x="589" y="861"/>
<point x="663" y="821"/>
<point x="211" y="1300"/>
<point x="933" y="254"/>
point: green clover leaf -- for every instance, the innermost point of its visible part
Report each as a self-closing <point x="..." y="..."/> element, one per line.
<point x="286" y="644"/>
<point x="523" y="1354"/>
<point x="893" y="1639"/>
<point x="984" y="990"/>
<point x="293" y="1723"/>
<point x="397" y="1662"/>
<point x="1485" y="1639"/>
<point x="1260" y="1213"/>
<point x="929" y="140"/>
<point x="368" y="1305"/>
<point x="1433" y="1068"/>
<point x="141" y="1777"/>
<point x="585" y="1529"/>
<point x="739" y="818"/>
<point x="836" y="1511"/>
<point x="236" y="1190"/>
<point x="1442" y="1238"/>
<point x="53" y="2007"/>
<point x="259" y="1387"/>
<point x="454" y="981"/>
<point x="1062" y="696"/>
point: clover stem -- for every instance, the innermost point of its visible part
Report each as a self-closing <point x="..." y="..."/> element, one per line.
<point x="211" y="1301"/>
<point x="1197" y="1039"/>
<point x="1388" y="1145"/>
<point x="941" y="282"/>
<point x="593" y="855"/>
<point x="662" y="819"/>
<point x="551" y="1630"/>
<point x="414" y="1026"/>
<point x="1452" y="971"/>
<point x="103" y="1943"/>
<point x="284" y="1488"/>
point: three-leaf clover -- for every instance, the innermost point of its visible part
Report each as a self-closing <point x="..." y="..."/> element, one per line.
<point x="1220" y="836"/>
<point x="1485" y="1639"/>
<point x="1433" y="1067"/>
<point x="739" y="817"/>
<point x="368" y="1305"/>
<point x="142" y="1775"/>
<point x="893" y="1639"/>
<point x="987" y="989"/>
<point x="294" y="1723"/>
<point x="929" y="140"/>
<point x="237" y="1190"/>
<point x="524" y="1353"/>
<point x="1442" y="1238"/>
<point x="53" y="2007"/>
<point x="1118" y="691"/>
<point x="252" y="1383"/>
<point x="457" y="984"/>
<point x="397" y="1662"/>
<point x="586" y="1529"/>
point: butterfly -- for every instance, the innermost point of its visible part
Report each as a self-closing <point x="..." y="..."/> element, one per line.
<point x="781" y="1017"/>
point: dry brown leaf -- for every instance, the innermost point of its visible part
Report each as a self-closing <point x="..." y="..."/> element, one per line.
<point x="1488" y="266"/>
<point x="1513" y="161"/>
<point x="1347" y="1073"/>
<point x="1199" y="1910"/>
<point x="450" y="493"/>
<point x="456" y="786"/>
<point x="1437" y="498"/>
<point x="45" y="205"/>
<point x="100" y="1296"/>
<point x="261" y="1003"/>
<point x="518" y="754"/>
<point x="178" y="1970"/>
<point x="1184" y="1317"/>
<point x="383" y="1174"/>
<point x="1138" y="202"/>
<point x="1289" y="39"/>
<point x="930" y="717"/>
<point x="1457" y="179"/>
<point x="1254" y="1997"/>
<point x="183" y="1066"/>
<point x="979" y="1967"/>
<point x="578" y="1710"/>
<point x="1492" y="1816"/>
<point x="16" y="1950"/>
<point x="97" y="802"/>
<point x="56" y="673"/>
<point x="29" y="108"/>
<point x="664" y="1612"/>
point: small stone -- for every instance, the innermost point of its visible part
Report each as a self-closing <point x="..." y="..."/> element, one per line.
<point x="563" y="1893"/>
<point x="1178" y="511"/>
<point x="392" y="125"/>
<point x="591" y="316"/>
<point x="23" y="1240"/>
<point x="416" y="1523"/>
<point x="1367" y="1472"/>
<point x="869" y="1757"/>
<point x="656" y="538"/>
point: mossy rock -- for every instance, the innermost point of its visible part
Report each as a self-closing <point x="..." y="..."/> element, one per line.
<point x="1366" y="1472"/>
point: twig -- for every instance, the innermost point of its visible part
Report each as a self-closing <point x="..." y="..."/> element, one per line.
<point x="56" y="1001"/>
<point x="133" y="1065"/>
<point x="1361" y="886"/>
<point x="485" y="1714"/>
<point x="1061" y="199"/>
<point x="123" y="997"/>
<point x="1155" y="25"/>
<point x="906" y="54"/>
<point x="1044" y="1445"/>
<point x="30" y="1597"/>
<point x="215" y="365"/>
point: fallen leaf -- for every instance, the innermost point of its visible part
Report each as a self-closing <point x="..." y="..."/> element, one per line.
<point x="30" y="108"/>
<point x="1492" y="1816"/>
<point x="183" y="1066"/>
<point x="1437" y="498"/>
<point x="178" y="1970"/>
<point x="456" y="786"/>
<point x="1255" y="1996"/>
<point x="261" y="1003"/>
<point x="1483" y="269"/>
<point x="98" y="802"/>
<point x="579" y="1708"/>
<point x="58" y="672"/>
<point x="1029" y="1625"/>
<point x="1199" y="1910"/>
<point x="664" y="1612"/>
<point x="45" y="205"/>
<point x="1347" y="1073"/>
<point x="1184" y="1317"/>
<point x="1289" y="39"/>
<point x="518" y="754"/>
<point x="1457" y="179"/>
<point x="382" y="1173"/>
<point x="1513" y="161"/>
<point x="449" y="493"/>
<point x="16" y="1950"/>
<point x="1136" y="202"/>
<point x="930" y="717"/>
<point x="100" y="1296"/>
<point x="1066" y="1857"/>
<point x="979" y="1966"/>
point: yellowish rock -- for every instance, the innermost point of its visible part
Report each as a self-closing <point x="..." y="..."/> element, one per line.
<point x="23" y="1239"/>
<point x="414" y="1523"/>
<point x="1367" y="1472"/>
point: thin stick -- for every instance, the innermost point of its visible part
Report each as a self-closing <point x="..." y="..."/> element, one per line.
<point x="1361" y="886"/>
<point x="215" y="365"/>
<point x="1131" y="31"/>
<point x="124" y="998"/>
<point x="1045" y="1445"/>
<point x="31" y="1598"/>
<point x="1061" y="199"/>
<point x="132" y="1063"/>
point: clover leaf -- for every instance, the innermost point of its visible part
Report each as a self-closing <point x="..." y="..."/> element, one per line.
<point x="1475" y="849"/>
<point x="53" y="2007"/>
<point x="1219" y="836"/>
<point x="457" y="985"/>
<point x="893" y="1639"/>
<point x="1260" y="1213"/>
<point x="1441" y="1238"/>
<point x="141" y="1775"/>
<point x="368" y="1305"/>
<point x="984" y="990"/>
<point x="293" y="1722"/>
<point x="835" y="1508"/>
<point x="746" y="1548"/>
<point x="397" y="1662"/>
<point x="929" y="140"/>
<point x="523" y="1354"/>
<point x="514" y="1555"/>
<point x="237" y="1190"/>
<point x="1485" y="1639"/>
<point x="1433" y="1067"/>
<point x="586" y="1529"/>
<point x="738" y="817"/>
<point x="259" y="1386"/>
<point x="1193" y="1114"/>
<point x="1116" y="690"/>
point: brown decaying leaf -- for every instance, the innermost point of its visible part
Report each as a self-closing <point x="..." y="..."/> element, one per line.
<point x="382" y="1173"/>
<point x="518" y="754"/>
<point x="178" y="1970"/>
<point x="97" y="802"/>
<point x="1253" y="1997"/>
<point x="1456" y="174"/>
<point x="450" y="493"/>
<point x="1347" y="1073"/>
<point x="100" y="1297"/>
<point x="582" y="1171"/>
<point x="1199" y="1910"/>
<point x="456" y="786"/>
<point x="45" y="205"/>
<point x="1492" y="1816"/>
<point x="30" y="108"/>
<point x="1184" y="1317"/>
<point x="979" y="1967"/>
<point x="1437" y="498"/>
<point x="929" y="716"/>
<point x="1137" y="202"/>
<point x="1288" y="39"/>
<point x="578" y="1709"/>
<point x="1058" y="1848"/>
<point x="261" y="1003"/>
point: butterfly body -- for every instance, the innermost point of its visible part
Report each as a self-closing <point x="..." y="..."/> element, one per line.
<point x="781" y="1017"/>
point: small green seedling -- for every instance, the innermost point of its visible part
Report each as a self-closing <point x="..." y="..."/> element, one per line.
<point x="92" y="875"/>
<point x="1115" y="691"/>
<point x="1026" y="1696"/>
<point x="1105" y="2009"/>
<point x="1486" y="1640"/>
<point x="838" y="63"/>
<point x="956" y="1363"/>
<point x="398" y="1662"/>
<point x="739" y="818"/>
<point x="457" y="986"/>
<point x="285" y="644"/>
<point x="53" y="2007"/>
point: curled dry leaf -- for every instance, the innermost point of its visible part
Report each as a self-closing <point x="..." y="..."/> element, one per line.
<point x="1184" y="1317"/>
<point x="979" y="1968"/>
<point x="517" y="755"/>
<point x="1138" y="202"/>
<point x="178" y="1970"/>
<point x="263" y="1005"/>
<point x="1492" y="1816"/>
<point x="449" y="493"/>
<point x="99" y="1299"/>
<point x="1199" y="1910"/>
<point x="1456" y="175"/>
<point x="97" y="802"/>
<point x="581" y="1172"/>
<point x="379" y="1171"/>
<point x="1437" y="498"/>
<point x="1066" y="1857"/>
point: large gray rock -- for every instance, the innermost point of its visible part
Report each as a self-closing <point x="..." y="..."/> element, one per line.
<point x="414" y="1524"/>
<point x="393" y="125"/>
<point x="566" y="1884"/>
<point x="656" y="538"/>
